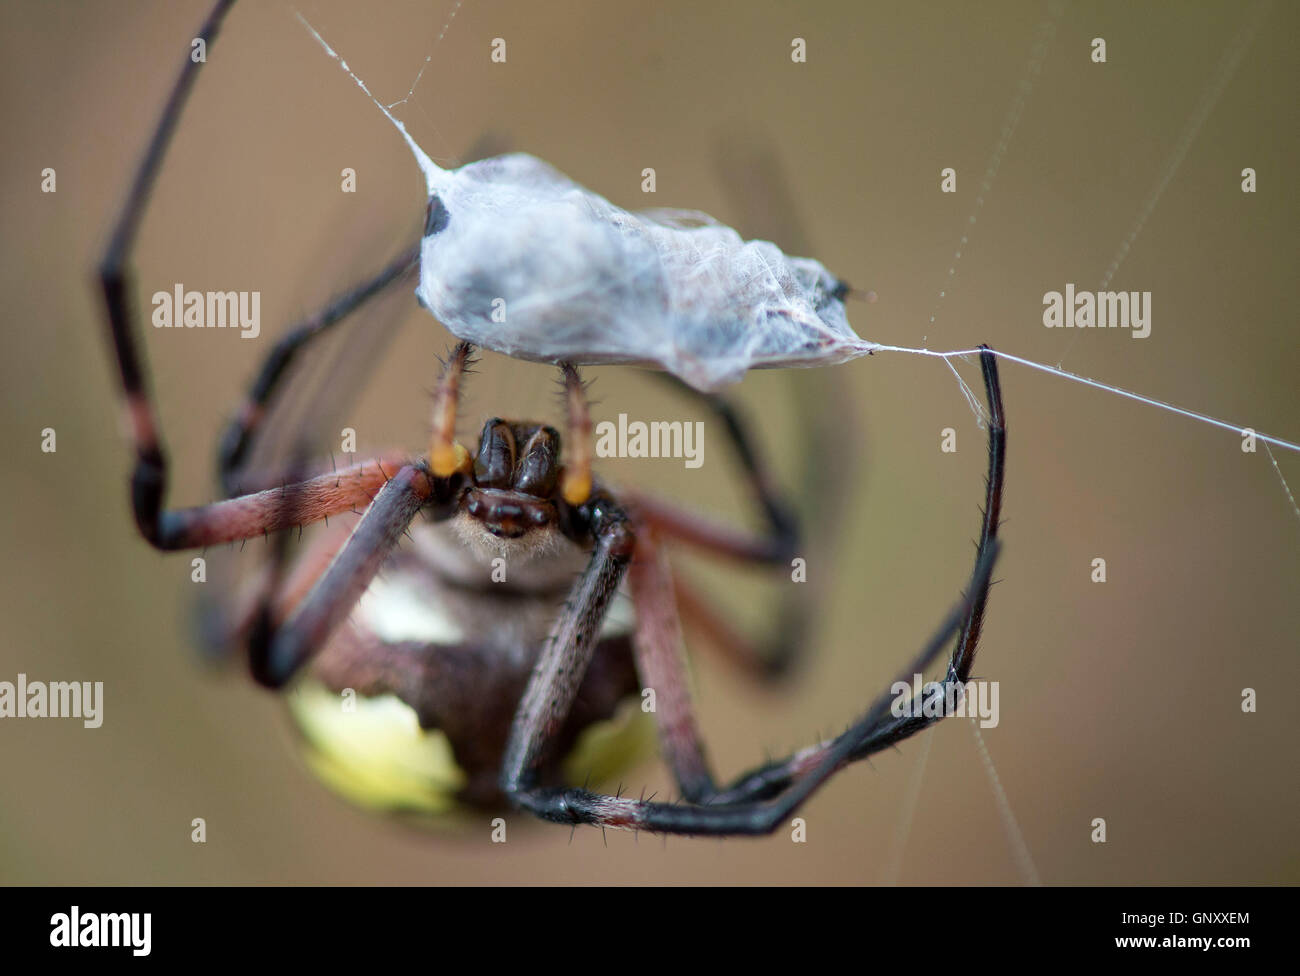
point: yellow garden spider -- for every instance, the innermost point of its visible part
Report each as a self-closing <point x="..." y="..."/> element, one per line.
<point x="511" y="674"/>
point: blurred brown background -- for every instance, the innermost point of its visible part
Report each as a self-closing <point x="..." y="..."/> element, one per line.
<point x="1118" y="700"/>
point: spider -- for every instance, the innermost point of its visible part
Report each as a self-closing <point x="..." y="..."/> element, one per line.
<point x="524" y="667"/>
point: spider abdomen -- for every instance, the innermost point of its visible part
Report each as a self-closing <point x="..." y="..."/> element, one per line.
<point x="409" y="705"/>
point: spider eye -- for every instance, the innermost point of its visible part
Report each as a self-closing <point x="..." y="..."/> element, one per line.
<point x="496" y="455"/>
<point x="436" y="217"/>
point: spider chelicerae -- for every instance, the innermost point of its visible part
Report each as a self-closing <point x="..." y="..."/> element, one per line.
<point x="509" y="674"/>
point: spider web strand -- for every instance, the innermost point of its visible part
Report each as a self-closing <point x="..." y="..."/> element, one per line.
<point x="1106" y="387"/>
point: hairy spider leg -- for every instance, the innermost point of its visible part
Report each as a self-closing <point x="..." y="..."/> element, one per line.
<point x="241" y="432"/>
<point x="760" y="800"/>
<point x="247" y="516"/>
<point x="446" y="454"/>
<point x="575" y="483"/>
<point x="780" y="541"/>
